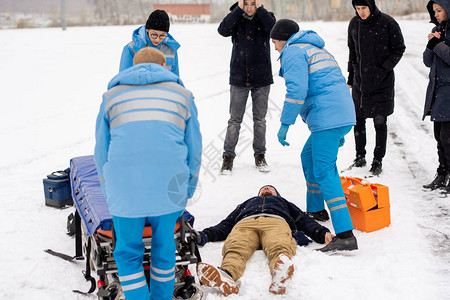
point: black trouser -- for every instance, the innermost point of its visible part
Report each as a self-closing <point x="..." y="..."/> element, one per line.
<point x="380" y="137"/>
<point x="442" y="136"/>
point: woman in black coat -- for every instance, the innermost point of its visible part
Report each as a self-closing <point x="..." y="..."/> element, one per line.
<point x="437" y="103"/>
<point x="376" y="45"/>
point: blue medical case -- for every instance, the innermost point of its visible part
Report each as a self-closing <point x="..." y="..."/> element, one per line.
<point x="57" y="189"/>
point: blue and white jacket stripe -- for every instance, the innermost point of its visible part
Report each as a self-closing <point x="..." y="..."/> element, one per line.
<point x="168" y="46"/>
<point x="148" y="142"/>
<point x="315" y="86"/>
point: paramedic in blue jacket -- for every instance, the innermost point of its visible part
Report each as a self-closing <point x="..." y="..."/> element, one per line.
<point x="249" y="25"/>
<point x="268" y="222"/>
<point x="317" y="91"/>
<point x="437" y="103"/>
<point x="154" y="34"/>
<point x="147" y="153"/>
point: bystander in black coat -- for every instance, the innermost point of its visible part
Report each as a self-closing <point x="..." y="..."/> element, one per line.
<point x="437" y="103"/>
<point x="376" y="46"/>
<point x="250" y="59"/>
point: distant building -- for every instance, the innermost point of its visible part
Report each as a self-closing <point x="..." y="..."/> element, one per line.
<point x="186" y="13"/>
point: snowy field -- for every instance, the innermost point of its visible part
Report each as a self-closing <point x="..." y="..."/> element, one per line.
<point x="52" y="83"/>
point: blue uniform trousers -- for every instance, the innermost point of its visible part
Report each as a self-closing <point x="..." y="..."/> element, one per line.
<point x="129" y="252"/>
<point x="319" y="157"/>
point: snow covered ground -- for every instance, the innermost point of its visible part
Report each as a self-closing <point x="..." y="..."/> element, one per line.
<point x="52" y="82"/>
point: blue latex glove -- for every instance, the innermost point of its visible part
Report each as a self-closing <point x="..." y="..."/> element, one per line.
<point x="341" y="142"/>
<point x="282" y="134"/>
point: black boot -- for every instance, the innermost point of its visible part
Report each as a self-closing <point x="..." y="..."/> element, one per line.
<point x="376" y="167"/>
<point x="227" y="165"/>
<point x="439" y="181"/>
<point x="339" y="244"/>
<point x="261" y="164"/>
<point x="321" y="215"/>
<point x="359" y="162"/>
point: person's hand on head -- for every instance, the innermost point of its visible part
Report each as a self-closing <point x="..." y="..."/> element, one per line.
<point x="258" y="3"/>
<point x="241" y="4"/>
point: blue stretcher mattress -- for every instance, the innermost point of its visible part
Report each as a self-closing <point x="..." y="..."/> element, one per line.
<point x="88" y="195"/>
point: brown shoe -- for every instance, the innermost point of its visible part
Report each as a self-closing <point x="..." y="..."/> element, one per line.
<point x="216" y="278"/>
<point x="282" y="272"/>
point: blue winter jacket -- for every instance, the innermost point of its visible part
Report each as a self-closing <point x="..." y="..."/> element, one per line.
<point x="168" y="46"/>
<point x="299" y="222"/>
<point x="438" y="60"/>
<point x="316" y="88"/>
<point x="148" y="143"/>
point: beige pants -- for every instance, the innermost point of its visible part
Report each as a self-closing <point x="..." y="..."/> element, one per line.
<point x="272" y="235"/>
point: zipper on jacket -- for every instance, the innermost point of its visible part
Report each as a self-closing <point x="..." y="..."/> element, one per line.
<point x="246" y="53"/>
<point x="360" y="65"/>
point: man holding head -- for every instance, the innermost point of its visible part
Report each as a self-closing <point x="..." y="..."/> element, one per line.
<point x="154" y="34"/>
<point x="316" y="90"/>
<point x="249" y="25"/>
<point x="147" y="137"/>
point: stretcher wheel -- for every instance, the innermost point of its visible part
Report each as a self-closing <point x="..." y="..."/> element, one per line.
<point x="112" y="292"/>
<point x="192" y="292"/>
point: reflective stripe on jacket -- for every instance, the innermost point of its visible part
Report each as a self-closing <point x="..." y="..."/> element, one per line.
<point x="315" y="86"/>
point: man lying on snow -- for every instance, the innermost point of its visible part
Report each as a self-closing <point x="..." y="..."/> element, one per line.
<point x="267" y="222"/>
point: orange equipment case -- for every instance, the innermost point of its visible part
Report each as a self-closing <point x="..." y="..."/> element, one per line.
<point x="368" y="203"/>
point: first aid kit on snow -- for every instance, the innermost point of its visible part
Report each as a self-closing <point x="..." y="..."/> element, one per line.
<point x="368" y="203"/>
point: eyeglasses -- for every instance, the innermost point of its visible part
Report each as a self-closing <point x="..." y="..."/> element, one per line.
<point x="154" y="36"/>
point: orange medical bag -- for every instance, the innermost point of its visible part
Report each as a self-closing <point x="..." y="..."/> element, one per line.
<point x="368" y="203"/>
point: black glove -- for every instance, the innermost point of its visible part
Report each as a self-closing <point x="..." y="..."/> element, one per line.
<point x="300" y="238"/>
<point x="204" y="239"/>
<point x="433" y="42"/>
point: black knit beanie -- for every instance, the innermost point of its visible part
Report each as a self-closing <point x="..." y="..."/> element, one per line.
<point x="284" y="29"/>
<point x="158" y="20"/>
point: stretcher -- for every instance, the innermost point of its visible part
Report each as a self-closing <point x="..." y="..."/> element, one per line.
<point x="95" y="239"/>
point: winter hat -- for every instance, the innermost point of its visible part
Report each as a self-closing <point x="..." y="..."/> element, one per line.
<point x="158" y="20"/>
<point x="284" y="29"/>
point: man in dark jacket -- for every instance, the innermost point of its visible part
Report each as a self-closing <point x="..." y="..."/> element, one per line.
<point x="376" y="45"/>
<point x="249" y="25"/>
<point x="267" y="222"/>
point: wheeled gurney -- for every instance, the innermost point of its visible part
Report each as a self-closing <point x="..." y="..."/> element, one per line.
<point x="95" y="240"/>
